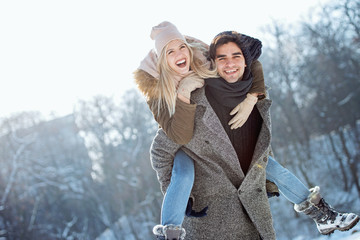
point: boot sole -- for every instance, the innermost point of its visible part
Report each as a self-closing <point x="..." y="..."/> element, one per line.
<point x="351" y="225"/>
<point x="347" y="228"/>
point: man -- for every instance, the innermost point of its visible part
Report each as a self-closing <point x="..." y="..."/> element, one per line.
<point x="229" y="165"/>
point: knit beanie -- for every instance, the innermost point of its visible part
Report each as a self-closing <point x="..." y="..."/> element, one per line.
<point x="251" y="48"/>
<point x="163" y="34"/>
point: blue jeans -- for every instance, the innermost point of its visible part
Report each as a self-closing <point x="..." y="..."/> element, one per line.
<point x="178" y="191"/>
<point x="289" y="185"/>
<point x="182" y="180"/>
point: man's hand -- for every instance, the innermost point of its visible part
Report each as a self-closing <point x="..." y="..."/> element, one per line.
<point x="189" y="84"/>
<point x="242" y="111"/>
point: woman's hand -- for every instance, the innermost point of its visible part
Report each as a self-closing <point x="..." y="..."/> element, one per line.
<point x="242" y="111"/>
<point x="189" y="84"/>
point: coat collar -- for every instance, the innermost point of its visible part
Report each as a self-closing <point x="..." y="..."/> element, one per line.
<point x="209" y="118"/>
<point x="212" y="122"/>
<point x="264" y="139"/>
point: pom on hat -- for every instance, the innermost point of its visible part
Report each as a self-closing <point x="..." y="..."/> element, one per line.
<point x="163" y="34"/>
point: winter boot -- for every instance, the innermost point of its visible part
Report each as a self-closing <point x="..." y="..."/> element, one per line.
<point x="169" y="232"/>
<point x="327" y="219"/>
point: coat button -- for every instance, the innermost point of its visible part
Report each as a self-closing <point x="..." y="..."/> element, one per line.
<point x="265" y="159"/>
<point x="207" y="142"/>
<point x="259" y="190"/>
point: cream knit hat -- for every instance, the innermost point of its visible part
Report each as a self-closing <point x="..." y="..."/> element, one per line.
<point x="163" y="34"/>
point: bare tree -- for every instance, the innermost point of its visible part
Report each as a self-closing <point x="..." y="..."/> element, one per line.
<point x="313" y="70"/>
<point x="47" y="174"/>
<point x="118" y="136"/>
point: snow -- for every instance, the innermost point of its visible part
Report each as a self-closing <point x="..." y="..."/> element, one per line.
<point x="340" y="236"/>
<point x="353" y="234"/>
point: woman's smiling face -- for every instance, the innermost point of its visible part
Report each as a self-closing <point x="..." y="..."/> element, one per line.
<point x="178" y="57"/>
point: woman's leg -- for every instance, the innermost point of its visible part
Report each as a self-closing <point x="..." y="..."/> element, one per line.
<point x="309" y="202"/>
<point x="289" y="185"/>
<point x="178" y="192"/>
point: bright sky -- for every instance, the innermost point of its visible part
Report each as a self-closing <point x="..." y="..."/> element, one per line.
<point x="53" y="53"/>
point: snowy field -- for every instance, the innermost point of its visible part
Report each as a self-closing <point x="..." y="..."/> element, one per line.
<point x="353" y="234"/>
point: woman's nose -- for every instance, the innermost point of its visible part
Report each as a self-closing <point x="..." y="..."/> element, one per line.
<point x="178" y="54"/>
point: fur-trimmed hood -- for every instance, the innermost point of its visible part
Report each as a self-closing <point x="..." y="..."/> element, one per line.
<point x="146" y="83"/>
<point x="146" y="76"/>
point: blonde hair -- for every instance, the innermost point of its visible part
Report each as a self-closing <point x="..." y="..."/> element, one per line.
<point x="166" y="86"/>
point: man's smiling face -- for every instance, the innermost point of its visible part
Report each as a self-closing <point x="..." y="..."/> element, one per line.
<point x="230" y="62"/>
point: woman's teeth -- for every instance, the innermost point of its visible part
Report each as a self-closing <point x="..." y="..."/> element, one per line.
<point x="180" y="62"/>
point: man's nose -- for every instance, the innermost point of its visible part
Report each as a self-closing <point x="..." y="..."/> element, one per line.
<point x="229" y="63"/>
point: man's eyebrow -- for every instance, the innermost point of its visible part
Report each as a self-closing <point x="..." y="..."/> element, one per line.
<point x="220" y="56"/>
<point x="233" y="54"/>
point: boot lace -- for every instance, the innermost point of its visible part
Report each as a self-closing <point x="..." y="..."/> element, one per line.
<point x="329" y="212"/>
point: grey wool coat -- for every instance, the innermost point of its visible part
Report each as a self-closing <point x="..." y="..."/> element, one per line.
<point x="238" y="206"/>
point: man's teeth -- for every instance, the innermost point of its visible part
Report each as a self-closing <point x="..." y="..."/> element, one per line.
<point x="230" y="71"/>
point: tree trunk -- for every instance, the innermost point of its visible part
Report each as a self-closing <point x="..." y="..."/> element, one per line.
<point x="351" y="161"/>
<point x="342" y="167"/>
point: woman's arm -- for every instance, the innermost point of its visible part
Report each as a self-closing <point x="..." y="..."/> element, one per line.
<point x="258" y="86"/>
<point x="257" y="91"/>
<point x="180" y="126"/>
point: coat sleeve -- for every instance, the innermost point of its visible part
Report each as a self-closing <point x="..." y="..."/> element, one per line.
<point x="271" y="188"/>
<point x="180" y="126"/>
<point x="258" y="85"/>
<point x="162" y="153"/>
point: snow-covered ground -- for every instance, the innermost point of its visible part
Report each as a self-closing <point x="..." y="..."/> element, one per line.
<point x="353" y="234"/>
<point x="328" y="154"/>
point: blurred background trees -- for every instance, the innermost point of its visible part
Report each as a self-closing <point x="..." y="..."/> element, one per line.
<point x="88" y="175"/>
